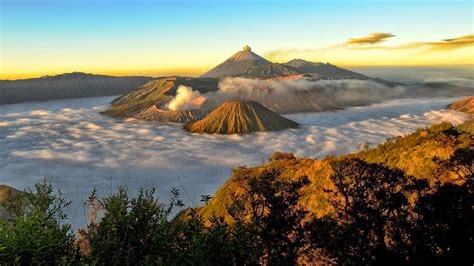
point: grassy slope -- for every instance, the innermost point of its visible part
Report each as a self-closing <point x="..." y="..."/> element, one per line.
<point x="412" y="153"/>
<point x="465" y="105"/>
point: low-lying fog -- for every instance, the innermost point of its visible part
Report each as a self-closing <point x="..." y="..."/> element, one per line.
<point x="76" y="148"/>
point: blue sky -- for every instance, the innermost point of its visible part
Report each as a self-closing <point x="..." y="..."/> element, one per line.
<point x="48" y="36"/>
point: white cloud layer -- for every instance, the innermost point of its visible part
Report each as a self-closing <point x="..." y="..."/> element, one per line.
<point x="76" y="148"/>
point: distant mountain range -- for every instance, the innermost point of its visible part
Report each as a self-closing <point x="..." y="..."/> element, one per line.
<point x="149" y="101"/>
<point x="68" y="85"/>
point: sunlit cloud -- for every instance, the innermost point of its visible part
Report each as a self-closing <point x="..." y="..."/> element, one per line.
<point x="437" y="46"/>
<point x="446" y="44"/>
<point x="369" y="51"/>
<point x="374" y="38"/>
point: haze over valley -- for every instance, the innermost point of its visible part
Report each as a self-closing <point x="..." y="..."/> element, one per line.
<point x="75" y="147"/>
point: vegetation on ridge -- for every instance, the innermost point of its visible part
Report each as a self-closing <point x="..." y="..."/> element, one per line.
<point x="412" y="153"/>
<point x="375" y="220"/>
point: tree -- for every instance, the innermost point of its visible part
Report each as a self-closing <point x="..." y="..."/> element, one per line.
<point x="137" y="230"/>
<point x="131" y="229"/>
<point x="443" y="224"/>
<point x="460" y="164"/>
<point x="270" y="206"/>
<point x="37" y="232"/>
<point x="371" y="205"/>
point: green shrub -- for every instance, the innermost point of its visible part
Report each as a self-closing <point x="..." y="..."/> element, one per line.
<point x="37" y="232"/>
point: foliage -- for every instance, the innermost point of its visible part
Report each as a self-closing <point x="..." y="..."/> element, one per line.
<point x="138" y="231"/>
<point x="271" y="206"/>
<point x="126" y="233"/>
<point x="37" y="233"/>
<point x="374" y="213"/>
<point x="443" y="228"/>
<point x="384" y="216"/>
<point x="413" y="153"/>
<point x="372" y="206"/>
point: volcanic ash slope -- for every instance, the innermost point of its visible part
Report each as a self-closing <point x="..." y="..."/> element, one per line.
<point x="240" y="117"/>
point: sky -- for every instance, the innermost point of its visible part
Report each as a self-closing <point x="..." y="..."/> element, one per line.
<point x="157" y="37"/>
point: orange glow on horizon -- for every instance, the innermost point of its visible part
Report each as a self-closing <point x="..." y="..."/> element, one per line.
<point x="188" y="72"/>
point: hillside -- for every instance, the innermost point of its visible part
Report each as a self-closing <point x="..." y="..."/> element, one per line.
<point x="6" y="192"/>
<point x="237" y="117"/>
<point x="412" y="153"/>
<point x="155" y="93"/>
<point x="68" y="85"/>
<point x="465" y="105"/>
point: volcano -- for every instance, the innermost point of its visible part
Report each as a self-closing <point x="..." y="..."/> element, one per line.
<point x="248" y="64"/>
<point x="151" y="100"/>
<point x="240" y="117"/>
<point x="244" y="63"/>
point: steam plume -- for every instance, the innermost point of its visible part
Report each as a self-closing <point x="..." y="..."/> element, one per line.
<point x="185" y="99"/>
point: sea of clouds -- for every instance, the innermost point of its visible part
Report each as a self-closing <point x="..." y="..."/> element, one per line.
<point x="76" y="148"/>
<point x="309" y="94"/>
<point x="341" y="93"/>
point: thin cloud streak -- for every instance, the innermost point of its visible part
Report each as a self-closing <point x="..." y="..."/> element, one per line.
<point x="374" y="38"/>
<point x="372" y="41"/>
<point x="446" y="44"/>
